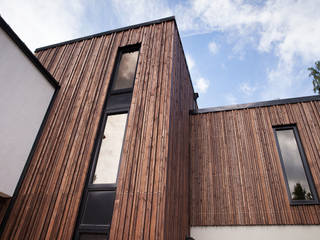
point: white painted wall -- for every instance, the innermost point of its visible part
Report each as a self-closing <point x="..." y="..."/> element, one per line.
<point x="25" y="95"/>
<point x="280" y="232"/>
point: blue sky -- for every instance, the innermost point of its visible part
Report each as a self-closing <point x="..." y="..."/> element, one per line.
<point x="238" y="51"/>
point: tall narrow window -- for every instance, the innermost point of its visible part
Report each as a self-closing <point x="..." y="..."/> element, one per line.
<point x="96" y="209"/>
<point x="124" y="76"/>
<point x="295" y="168"/>
<point x="110" y="150"/>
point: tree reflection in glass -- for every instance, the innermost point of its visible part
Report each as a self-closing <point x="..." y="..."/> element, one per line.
<point x="300" y="193"/>
<point x="296" y="176"/>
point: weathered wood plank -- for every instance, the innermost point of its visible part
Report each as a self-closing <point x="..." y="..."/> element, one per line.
<point x="152" y="199"/>
<point x="251" y="187"/>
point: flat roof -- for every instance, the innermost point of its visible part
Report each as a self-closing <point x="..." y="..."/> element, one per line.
<point x="258" y="104"/>
<point x="107" y="32"/>
<point x="171" y="18"/>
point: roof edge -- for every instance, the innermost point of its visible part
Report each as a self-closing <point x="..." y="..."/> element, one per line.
<point x="258" y="104"/>
<point x="185" y="59"/>
<point x="166" y="19"/>
<point x="34" y="60"/>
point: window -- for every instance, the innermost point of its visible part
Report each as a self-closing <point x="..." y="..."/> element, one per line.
<point x="298" y="178"/>
<point x="95" y="215"/>
<point x="125" y="73"/>
<point x="110" y="149"/>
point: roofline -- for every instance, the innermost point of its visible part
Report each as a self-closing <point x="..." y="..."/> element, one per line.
<point x="258" y="104"/>
<point x="106" y="33"/>
<point x="195" y="94"/>
<point x="166" y="19"/>
<point x="14" y="37"/>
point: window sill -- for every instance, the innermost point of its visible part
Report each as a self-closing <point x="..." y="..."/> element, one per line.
<point x="300" y="203"/>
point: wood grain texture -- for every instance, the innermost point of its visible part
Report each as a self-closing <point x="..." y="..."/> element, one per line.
<point x="146" y="207"/>
<point x="236" y="175"/>
<point x="4" y="203"/>
<point x="152" y="193"/>
<point x="177" y="197"/>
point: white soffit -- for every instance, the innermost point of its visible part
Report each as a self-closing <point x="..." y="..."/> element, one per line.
<point x="280" y="232"/>
<point x="25" y="95"/>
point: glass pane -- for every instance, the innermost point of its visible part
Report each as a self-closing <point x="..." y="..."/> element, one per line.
<point x="99" y="208"/>
<point x="119" y="101"/>
<point x="125" y="73"/>
<point x="110" y="150"/>
<point x="297" y="180"/>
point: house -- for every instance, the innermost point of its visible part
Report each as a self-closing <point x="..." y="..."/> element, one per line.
<point x="26" y="91"/>
<point x="125" y="153"/>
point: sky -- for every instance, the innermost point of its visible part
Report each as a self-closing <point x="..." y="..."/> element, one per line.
<point x="238" y="51"/>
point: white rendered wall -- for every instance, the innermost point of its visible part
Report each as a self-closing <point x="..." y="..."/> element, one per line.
<point x="281" y="232"/>
<point x="25" y="95"/>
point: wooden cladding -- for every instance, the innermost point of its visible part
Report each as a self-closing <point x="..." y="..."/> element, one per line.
<point x="4" y="203"/>
<point x="48" y="200"/>
<point x="236" y="174"/>
<point x="177" y="197"/>
<point x="146" y="207"/>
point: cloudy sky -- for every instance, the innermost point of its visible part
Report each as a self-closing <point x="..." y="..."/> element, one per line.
<point x="238" y="51"/>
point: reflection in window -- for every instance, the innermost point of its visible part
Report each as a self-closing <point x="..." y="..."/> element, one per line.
<point x="110" y="150"/>
<point x="126" y="71"/>
<point x="96" y="211"/>
<point x="294" y="169"/>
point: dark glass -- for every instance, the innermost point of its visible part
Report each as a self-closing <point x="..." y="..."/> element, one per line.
<point x="125" y="73"/>
<point x="91" y="236"/>
<point x="119" y="101"/>
<point x="95" y="216"/>
<point x="99" y="208"/>
<point x="296" y="176"/>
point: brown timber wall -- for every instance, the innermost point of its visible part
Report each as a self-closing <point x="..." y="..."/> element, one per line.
<point x="47" y="203"/>
<point x="4" y="203"/>
<point x="236" y="175"/>
<point x="177" y="211"/>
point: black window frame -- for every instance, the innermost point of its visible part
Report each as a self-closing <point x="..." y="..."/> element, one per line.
<point x="108" y="110"/>
<point x="121" y="51"/>
<point x="304" y="164"/>
<point x="109" y="186"/>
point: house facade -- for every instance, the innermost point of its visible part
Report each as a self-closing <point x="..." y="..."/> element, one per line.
<point x="26" y="93"/>
<point x="125" y="153"/>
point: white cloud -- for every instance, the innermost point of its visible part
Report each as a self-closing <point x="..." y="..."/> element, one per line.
<point x="286" y="28"/>
<point x="230" y="99"/>
<point x="220" y="14"/>
<point x="190" y="61"/>
<point x="289" y="29"/>
<point x="284" y="82"/>
<point x="276" y="88"/>
<point x="213" y="47"/>
<point x="40" y="23"/>
<point x="246" y="89"/>
<point x="201" y="85"/>
<point x="137" y="11"/>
